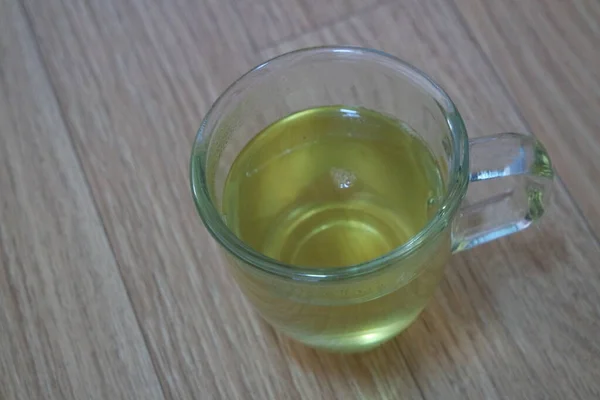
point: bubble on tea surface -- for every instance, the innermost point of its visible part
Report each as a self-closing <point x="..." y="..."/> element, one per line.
<point x="342" y="178"/>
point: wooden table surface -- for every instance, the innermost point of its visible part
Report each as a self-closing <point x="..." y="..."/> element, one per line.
<point x="111" y="288"/>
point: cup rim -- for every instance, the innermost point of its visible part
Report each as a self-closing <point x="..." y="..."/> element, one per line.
<point x="457" y="179"/>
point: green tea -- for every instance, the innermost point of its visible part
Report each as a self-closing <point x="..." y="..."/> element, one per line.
<point x="331" y="187"/>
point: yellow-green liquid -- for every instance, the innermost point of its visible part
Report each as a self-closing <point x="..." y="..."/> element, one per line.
<point x="332" y="187"/>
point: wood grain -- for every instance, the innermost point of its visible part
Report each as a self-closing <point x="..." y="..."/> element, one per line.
<point x="547" y="53"/>
<point x="271" y="21"/>
<point x="67" y="328"/>
<point x="515" y="319"/>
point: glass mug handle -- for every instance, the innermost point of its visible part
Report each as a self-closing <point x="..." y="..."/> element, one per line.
<point x="509" y="187"/>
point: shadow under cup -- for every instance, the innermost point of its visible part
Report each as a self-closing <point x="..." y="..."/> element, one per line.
<point x="360" y="306"/>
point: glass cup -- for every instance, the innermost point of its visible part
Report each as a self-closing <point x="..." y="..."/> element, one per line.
<point x="494" y="186"/>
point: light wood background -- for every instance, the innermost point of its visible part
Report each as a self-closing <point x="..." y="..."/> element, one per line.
<point x="110" y="287"/>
